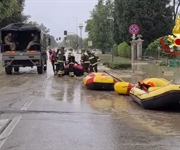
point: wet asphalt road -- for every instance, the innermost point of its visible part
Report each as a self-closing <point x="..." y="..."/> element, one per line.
<point x="44" y="112"/>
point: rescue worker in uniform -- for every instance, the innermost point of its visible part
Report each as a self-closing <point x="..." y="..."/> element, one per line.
<point x="93" y="59"/>
<point x="85" y="62"/>
<point x="71" y="63"/>
<point x="82" y="55"/>
<point x="145" y="86"/>
<point x="61" y="58"/>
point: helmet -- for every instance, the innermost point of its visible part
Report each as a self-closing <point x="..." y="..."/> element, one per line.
<point x="85" y="53"/>
<point x="92" y="52"/>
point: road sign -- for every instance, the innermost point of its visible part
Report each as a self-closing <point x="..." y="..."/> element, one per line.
<point x="89" y="43"/>
<point x="134" y="29"/>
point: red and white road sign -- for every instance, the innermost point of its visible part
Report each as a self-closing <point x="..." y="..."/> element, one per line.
<point x="134" y="29"/>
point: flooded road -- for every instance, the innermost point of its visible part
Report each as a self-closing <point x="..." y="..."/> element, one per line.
<point x="43" y="112"/>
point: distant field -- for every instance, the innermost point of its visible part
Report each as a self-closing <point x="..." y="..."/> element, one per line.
<point x="108" y="58"/>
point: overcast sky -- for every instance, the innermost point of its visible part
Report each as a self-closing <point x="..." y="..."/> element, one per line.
<point x="58" y="14"/>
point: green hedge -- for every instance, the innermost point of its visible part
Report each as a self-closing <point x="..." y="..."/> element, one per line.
<point x="117" y="65"/>
<point x="124" y="50"/>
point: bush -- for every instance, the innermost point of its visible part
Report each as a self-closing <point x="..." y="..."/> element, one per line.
<point x="117" y="65"/>
<point x="152" y="48"/>
<point x="115" y="49"/>
<point x="124" y="50"/>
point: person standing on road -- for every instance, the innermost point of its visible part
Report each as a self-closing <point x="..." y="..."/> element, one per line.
<point x="71" y="63"/>
<point x="93" y="62"/>
<point x="52" y="56"/>
<point x="61" y="58"/>
<point x="85" y="62"/>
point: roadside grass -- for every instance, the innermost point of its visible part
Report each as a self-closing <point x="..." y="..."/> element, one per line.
<point x="118" y="63"/>
<point x="108" y="58"/>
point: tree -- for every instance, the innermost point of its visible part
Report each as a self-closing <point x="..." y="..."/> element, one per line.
<point x="45" y="30"/>
<point x="85" y="43"/>
<point x="98" y="27"/>
<point x="8" y="8"/>
<point x="11" y="12"/>
<point x="155" y="19"/>
<point x="41" y="26"/>
<point x="53" y="41"/>
<point x="71" y="41"/>
<point x="176" y="4"/>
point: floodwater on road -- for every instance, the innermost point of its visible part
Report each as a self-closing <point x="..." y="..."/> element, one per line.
<point x="50" y="113"/>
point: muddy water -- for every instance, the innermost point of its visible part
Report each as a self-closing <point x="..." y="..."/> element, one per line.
<point x="142" y="71"/>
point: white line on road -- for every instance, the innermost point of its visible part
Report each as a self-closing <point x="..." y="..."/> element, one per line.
<point x="27" y="104"/>
<point x="8" y="130"/>
<point x="15" y="121"/>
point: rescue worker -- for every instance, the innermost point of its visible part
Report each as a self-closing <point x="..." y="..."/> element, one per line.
<point x="145" y="86"/>
<point x="8" y="39"/>
<point x="85" y="62"/>
<point x="71" y="63"/>
<point x="61" y="58"/>
<point x="82" y="55"/>
<point x="93" y="62"/>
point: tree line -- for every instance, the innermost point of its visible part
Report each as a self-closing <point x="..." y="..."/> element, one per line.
<point x="110" y="21"/>
<point x="12" y="12"/>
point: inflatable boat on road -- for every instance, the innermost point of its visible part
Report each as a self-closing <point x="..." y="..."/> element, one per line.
<point x="99" y="81"/>
<point x="78" y="70"/>
<point x="160" y="93"/>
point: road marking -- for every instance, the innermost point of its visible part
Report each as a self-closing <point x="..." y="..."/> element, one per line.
<point x="27" y="104"/>
<point x="8" y="130"/>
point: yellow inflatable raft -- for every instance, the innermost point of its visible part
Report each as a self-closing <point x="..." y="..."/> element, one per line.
<point x="160" y="93"/>
<point x="123" y="88"/>
<point x="99" y="81"/>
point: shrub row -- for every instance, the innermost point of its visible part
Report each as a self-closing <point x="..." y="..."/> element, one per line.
<point x="117" y="65"/>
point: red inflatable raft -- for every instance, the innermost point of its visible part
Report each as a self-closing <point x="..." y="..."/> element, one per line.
<point x="78" y="70"/>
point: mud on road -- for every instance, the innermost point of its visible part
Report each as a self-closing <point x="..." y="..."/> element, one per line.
<point x="50" y="113"/>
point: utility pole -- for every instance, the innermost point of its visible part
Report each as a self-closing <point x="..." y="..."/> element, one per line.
<point x="77" y="38"/>
<point x="81" y="27"/>
<point x="112" y="35"/>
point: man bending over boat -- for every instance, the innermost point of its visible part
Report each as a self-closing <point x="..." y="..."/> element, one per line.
<point x="145" y="86"/>
<point x="71" y="63"/>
